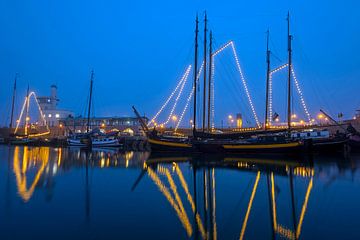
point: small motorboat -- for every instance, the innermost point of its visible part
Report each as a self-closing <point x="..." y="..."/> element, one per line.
<point x="105" y="141"/>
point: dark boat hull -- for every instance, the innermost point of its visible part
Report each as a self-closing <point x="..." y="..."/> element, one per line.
<point x="329" y="145"/>
<point x="285" y="148"/>
<point x="160" y="145"/>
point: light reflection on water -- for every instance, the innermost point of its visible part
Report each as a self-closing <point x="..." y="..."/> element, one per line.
<point x="107" y="194"/>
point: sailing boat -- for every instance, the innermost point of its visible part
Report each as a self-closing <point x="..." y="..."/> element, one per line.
<point x="17" y="139"/>
<point x="255" y="142"/>
<point x="203" y="141"/>
<point x="83" y="139"/>
<point x="162" y="143"/>
<point x="92" y="139"/>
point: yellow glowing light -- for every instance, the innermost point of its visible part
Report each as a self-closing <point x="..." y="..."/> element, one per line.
<point x="320" y="116"/>
<point x="294" y="116"/>
<point x="230" y="117"/>
<point x="102" y="124"/>
<point x="277" y="119"/>
<point x="60" y="125"/>
<point x="174" y="118"/>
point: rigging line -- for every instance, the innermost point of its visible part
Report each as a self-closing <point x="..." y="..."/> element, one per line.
<point x="297" y="85"/>
<point x="184" y="79"/>
<point x="197" y="80"/>
<point x="167" y="100"/>
<point x="21" y="114"/>
<point x="245" y="85"/>
<point x="300" y="94"/>
<point x="233" y="86"/>
<point x="271" y="90"/>
<point x="189" y="97"/>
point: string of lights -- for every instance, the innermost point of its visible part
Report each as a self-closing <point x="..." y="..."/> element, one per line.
<point x="212" y="116"/>
<point x="167" y="100"/>
<point x="27" y="98"/>
<point x="302" y="100"/>
<point x="301" y="95"/>
<point x="271" y="91"/>
<point x="184" y="79"/>
<point x="245" y="84"/>
<point x="21" y="113"/>
<point x="189" y="98"/>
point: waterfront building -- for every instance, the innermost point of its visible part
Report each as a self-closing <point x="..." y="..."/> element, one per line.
<point x="128" y="125"/>
<point x="49" y="107"/>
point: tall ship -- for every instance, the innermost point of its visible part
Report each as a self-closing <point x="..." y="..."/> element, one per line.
<point x="205" y="140"/>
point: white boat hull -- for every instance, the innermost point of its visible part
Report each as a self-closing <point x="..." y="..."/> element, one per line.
<point x="75" y="143"/>
<point x="106" y="143"/>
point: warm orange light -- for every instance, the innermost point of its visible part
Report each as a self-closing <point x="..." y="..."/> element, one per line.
<point x="174" y="118"/>
<point x="60" y="125"/>
<point x="102" y="124"/>
<point x="320" y="116"/>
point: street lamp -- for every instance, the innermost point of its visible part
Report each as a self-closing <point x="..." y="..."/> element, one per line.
<point x="174" y="118"/>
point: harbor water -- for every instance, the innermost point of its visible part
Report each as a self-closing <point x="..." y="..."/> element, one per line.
<point x="70" y="193"/>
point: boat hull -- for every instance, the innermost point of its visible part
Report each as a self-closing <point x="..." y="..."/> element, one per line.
<point x="329" y="145"/>
<point x="76" y="143"/>
<point x="109" y="143"/>
<point x="286" y="148"/>
<point x="159" y="145"/>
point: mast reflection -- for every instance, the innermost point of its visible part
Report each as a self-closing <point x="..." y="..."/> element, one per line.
<point x="35" y="167"/>
<point x="204" y="224"/>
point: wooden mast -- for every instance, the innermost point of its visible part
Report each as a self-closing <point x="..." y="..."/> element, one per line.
<point x="195" y="72"/>
<point x="289" y="73"/>
<point x="204" y="88"/>
<point x="90" y="96"/>
<point x="27" y="111"/>
<point x="267" y="80"/>
<point x="209" y="82"/>
<point x="13" y="104"/>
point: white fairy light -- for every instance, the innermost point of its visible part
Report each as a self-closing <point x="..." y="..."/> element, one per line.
<point x="245" y="85"/>
<point x="185" y="77"/>
<point x="168" y="100"/>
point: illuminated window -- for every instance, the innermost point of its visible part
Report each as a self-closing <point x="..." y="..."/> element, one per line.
<point x="57" y="115"/>
<point x="49" y="116"/>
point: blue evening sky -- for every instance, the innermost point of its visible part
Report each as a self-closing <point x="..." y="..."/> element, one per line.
<point x="139" y="50"/>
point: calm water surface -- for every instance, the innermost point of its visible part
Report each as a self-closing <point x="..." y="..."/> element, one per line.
<point x="54" y="193"/>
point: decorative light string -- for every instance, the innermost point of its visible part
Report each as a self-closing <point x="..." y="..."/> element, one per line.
<point x="245" y="85"/>
<point x="301" y="95"/>
<point x="302" y="100"/>
<point x="269" y="117"/>
<point x="40" y="111"/>
<point x="168" y="100"/>
<point x="21" y="113"/>
<point x="197" y="78"/>
<point x="212" y="116"/>
<point x="271" y="91"/>
<point x="189" y="97"/>
<point x="184" y="79"/>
